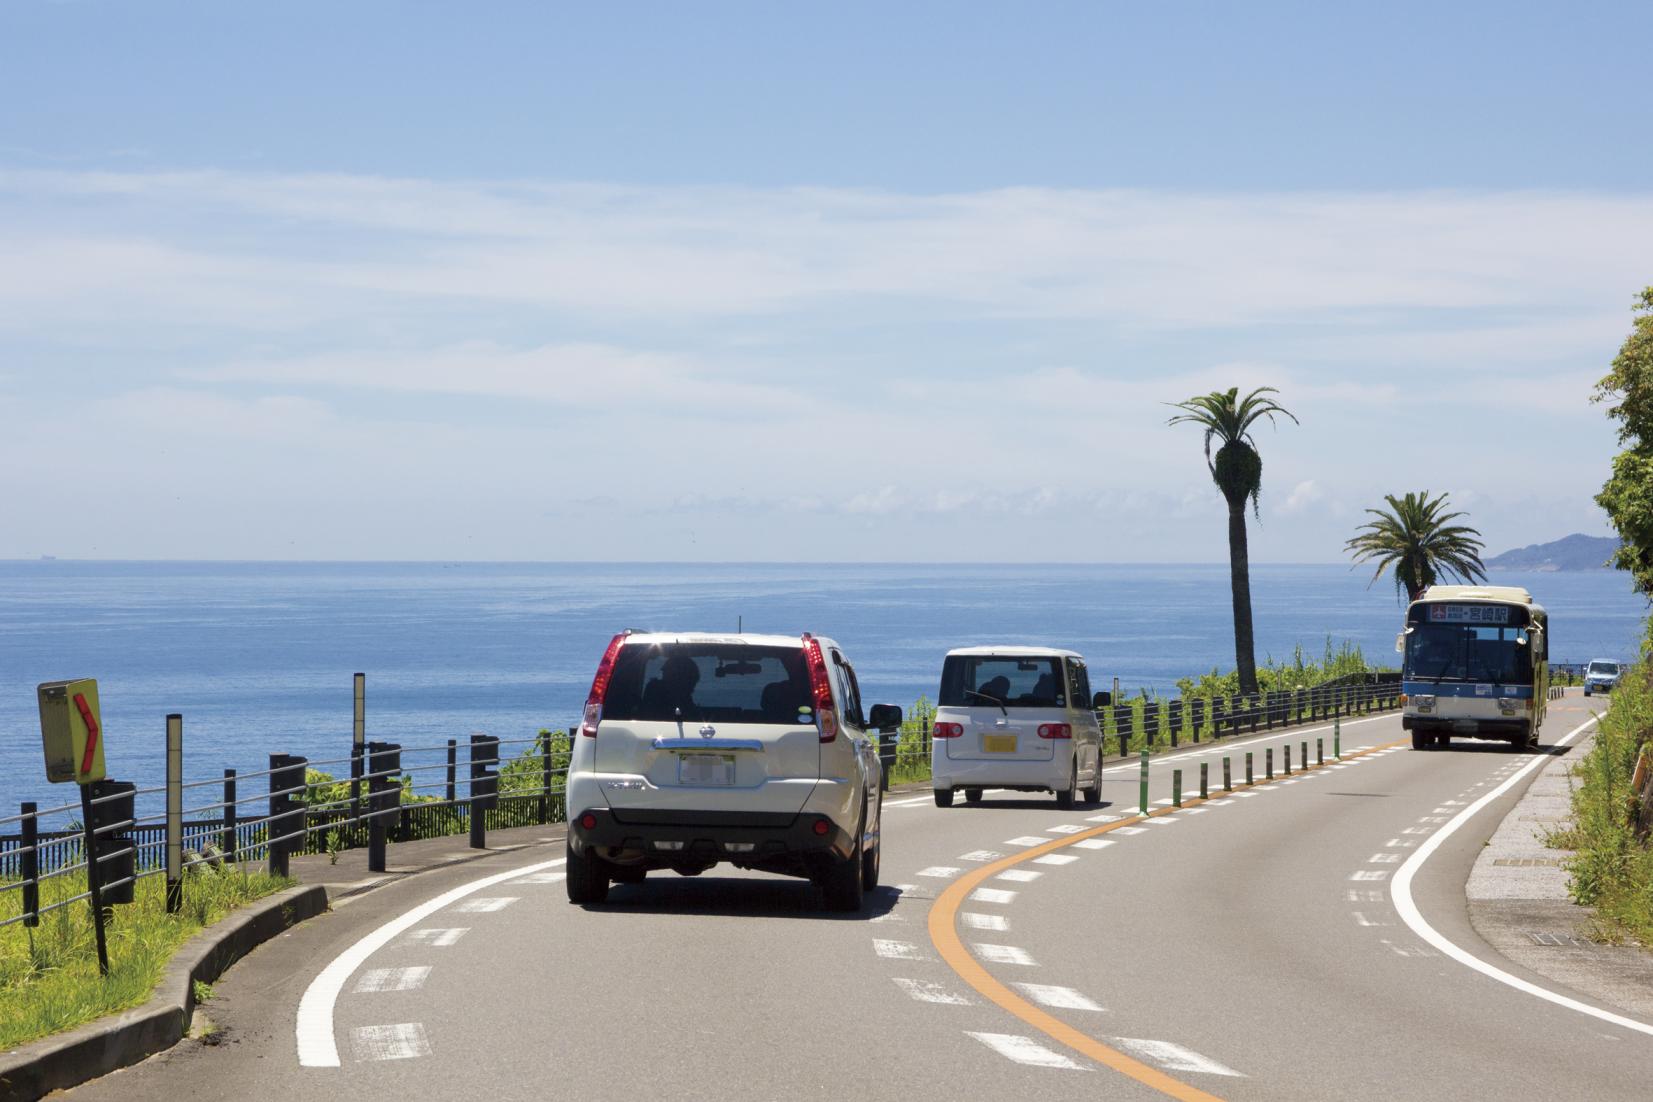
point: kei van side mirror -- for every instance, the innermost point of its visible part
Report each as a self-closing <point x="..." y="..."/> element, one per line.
<point x="1101" y="700"/>
<point x="885" y="717"/>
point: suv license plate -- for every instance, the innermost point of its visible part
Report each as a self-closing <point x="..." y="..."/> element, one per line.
<point x="706" y="769"/>
<point x="998" y="744"/>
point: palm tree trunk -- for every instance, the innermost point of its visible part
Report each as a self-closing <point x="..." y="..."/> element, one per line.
<point x="1239" y="576"/>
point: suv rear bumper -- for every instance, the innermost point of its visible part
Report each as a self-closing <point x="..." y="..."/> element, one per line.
<point x="706" y="836"/>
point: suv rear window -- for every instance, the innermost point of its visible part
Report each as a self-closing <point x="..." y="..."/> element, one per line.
<point x="709" y="682"/>
<point x="983" y="680"/>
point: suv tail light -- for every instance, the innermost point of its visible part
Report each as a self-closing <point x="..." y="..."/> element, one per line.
<point x="947" y="730"/>
<point x="599" y="687"/>
<point x="1055" y="730"/>
<point x="820" y="689"/>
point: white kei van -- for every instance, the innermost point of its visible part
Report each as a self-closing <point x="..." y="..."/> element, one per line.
<point x="1019" y="718"/>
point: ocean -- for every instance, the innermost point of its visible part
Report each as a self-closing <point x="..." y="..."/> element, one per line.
<point x="258" y="657"/>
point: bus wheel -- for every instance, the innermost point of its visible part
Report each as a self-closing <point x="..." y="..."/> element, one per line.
<point x="1420" y="741"/>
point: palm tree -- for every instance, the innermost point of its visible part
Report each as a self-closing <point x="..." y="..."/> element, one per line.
<point x="1237" y="470"/>
<point x="1417" y="538"/>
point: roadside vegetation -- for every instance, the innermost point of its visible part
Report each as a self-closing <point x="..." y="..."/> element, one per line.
<point x="49" y="978"/>
<point x="1613" y="866"/>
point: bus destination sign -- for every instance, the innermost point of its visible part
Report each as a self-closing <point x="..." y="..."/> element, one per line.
<point x="1469" y="614"/>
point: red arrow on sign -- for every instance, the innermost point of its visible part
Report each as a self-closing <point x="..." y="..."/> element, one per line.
<point x="91" y="722"/>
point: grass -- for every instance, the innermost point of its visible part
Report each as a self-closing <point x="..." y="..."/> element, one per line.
<point x="1612" y="869"/>
<point x="49" y="978"/>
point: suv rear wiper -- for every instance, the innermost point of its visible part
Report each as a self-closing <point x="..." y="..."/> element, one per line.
<point x="994" y="699"/>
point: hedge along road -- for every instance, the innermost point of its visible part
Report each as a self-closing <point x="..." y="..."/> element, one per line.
<point x="1222" y="950"/>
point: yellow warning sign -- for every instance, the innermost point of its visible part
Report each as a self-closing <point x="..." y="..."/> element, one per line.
<point x="71" y="730"/>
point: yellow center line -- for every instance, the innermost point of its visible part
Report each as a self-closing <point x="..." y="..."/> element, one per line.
<point x="944" y="936"/>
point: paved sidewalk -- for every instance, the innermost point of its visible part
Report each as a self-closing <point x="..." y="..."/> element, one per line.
<point x="1518" y="900"/>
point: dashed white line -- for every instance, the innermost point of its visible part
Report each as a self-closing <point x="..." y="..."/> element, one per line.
<point x="1004" y="954"/>
<point x="1163" y="820"/>
<point x="1024" y="1050"/>
<point x="1065" y="828"/>
<point x="1027" y="840"/>
<point x="1174" y="1057"/>
<point x="1060" y="998"/>
<point x="1056" y="859"/>
<point x="980" y="855"/>
<point x="927" y="992"/>
<point x="438" y="937"/>
<point x="896" y="950"/>
<point x="1019" y="876"/>
<point x="1104" y="818"/>
<point x="984" y="922"/>
<point x="392" y="979"/>
<point x="1369" y="874"/>
<point x="993" y="895"/>
<point x="1383" y="859"/>
<point x="1093" y="843"/>
<point x="942" y="872"/>
<point x="389" y="1042"/>
<point x="487" y="904"/>
<point x="1127" y="831"/>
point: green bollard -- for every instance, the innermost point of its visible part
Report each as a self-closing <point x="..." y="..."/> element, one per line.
<point x="1176" y="788"/>
<point x="1144" y="799"/>
<point x="1228" y="775"/>
<point x="1337" y="739"/>
<point x="1248" y="779"/>
<point x="1204" y="792"/>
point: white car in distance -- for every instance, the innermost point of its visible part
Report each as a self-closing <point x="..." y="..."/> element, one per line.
<point x="1020" y="718"/>
<point x="697" y="749"/>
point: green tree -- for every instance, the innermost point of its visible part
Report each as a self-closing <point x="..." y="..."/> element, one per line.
<point x="1237" y="469"/>
<point x="1628" y="494"/>
<point x="1416" y="536"/>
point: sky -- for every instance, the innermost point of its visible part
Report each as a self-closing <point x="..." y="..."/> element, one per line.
<point x="756" y="281"/>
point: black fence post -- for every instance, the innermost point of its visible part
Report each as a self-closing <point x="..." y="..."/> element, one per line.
<point x="453" y="771"/>
<point x="1150" y="722"/>
<point x="227" y="840"/>
<point x="384" y="799"/>
<point x="1196" y="718"/>
<point x="484" y="786"/>
<point x="545" y="777"/>
<point x="286" y="773"/>
<point x="1216" y="717"/>
<point x="1176" y="721"/>
<point x="1122" y="727"/>
<point x="31" y="865"/>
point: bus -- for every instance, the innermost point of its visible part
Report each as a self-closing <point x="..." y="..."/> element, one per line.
<point x="1476" y="665"/>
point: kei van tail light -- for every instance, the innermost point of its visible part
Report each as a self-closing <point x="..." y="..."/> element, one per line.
<point x="947" y="730"/>
<point x="599" y="687"/>
<point x="1055" y="730"/>
<point x="820" y="688"/>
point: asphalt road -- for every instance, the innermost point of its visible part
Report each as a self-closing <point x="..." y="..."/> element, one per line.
<point x="1245" y="947"/>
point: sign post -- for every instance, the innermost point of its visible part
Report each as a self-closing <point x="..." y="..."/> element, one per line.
<point x="71" y="732"/>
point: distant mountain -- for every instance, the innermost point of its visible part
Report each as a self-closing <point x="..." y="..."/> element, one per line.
<point x="1574" y="552"/>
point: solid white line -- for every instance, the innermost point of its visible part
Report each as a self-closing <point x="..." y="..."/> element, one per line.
<point x="1024" y="1050"/>
<point x="314" y="1029"/>
<point x="1400" y="892"/>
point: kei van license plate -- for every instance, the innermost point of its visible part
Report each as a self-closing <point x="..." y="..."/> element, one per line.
<point x="998" y="744"/>
<point x="706" y="769"/>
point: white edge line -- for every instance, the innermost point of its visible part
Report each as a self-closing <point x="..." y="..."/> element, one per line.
<point x="316" y="1045"/>
<point x="1400" y="892"/>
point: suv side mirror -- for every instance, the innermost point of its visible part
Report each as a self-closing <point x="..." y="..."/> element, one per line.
<point x="885" y="717"/>
<point x="1101" y="700"/>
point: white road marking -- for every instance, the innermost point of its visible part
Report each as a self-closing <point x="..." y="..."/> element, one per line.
<point x="438" y="937"/>
<point x="1363" y="895"/>
<point x="1383" y="859"/>
<point x="1056" y="859"/>
<point x="1162" y="820"/>
<point x="1402" y="843"/>
<point x="1024" y="1050"/>
<point x="1362" y="920"/>
<point x="392" y="979"/>
<point x="541" y="878"/>
<point x="1406" y="951"/>
<point x="1416" y="830"/>
<point x="1196" y="811"/>
<point x="1162" y="803"/>
<point x="1065" y="828"/>
<point x="1061" y="998"/>
<point x="1401" y="892"/>
<point x="1245" y="795"/>
<point x="993" y="895"/>
<point x="980" y="855"/>
<point x="1173" y="1057"/>
<point x="1127" y="831"/>
<point x="389" y="1042"/>
<point x="1432" y="819"/>
<point x="1003" y="954"/>
<point x="487" y="904"/>
<point x="1132" y="766"/>
<point x="1027" y="840"/>
<point x="896" y="950"/>
<point x="1369" y="874"/>
<point x="942" y="872"/>
<point x="984" y="922"/>
<point x="911" y="802"/>
<point x="314" y="1026"/>
<point x="1093" y="843"/>
<point x="1104" y="818"/>
<point x="1020" y="876"/>
<point x="887" y="916"/>
<point x="926" y="992"/>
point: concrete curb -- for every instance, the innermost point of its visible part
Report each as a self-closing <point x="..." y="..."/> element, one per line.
<point x="118" y="1040"/>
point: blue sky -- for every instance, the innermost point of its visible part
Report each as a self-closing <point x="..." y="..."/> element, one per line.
<point x="732" y="281"/>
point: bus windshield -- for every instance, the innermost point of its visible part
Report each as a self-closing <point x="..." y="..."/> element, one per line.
<point x="1466" y="652"/>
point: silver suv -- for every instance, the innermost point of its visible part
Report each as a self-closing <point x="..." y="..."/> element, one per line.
<point x="1601" y="676"/>
<point x="697" y="749"/>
